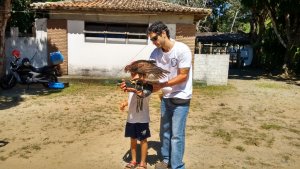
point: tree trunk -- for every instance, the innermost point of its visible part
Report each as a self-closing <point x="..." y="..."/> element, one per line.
<point x="5" y="9"/>
<point x="257" y="30"/>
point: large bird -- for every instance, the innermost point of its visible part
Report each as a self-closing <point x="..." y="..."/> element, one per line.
<point x="146" y="67"/>
<point x="143" y="88"/>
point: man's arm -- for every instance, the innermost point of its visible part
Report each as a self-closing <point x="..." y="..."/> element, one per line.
<point x="181" y="77"/>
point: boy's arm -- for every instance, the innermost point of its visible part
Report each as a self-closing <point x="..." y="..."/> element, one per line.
<point x="123" y="105"/>
<point x="140" y="88"/>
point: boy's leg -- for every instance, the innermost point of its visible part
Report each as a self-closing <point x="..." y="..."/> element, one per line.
<point x="144" y="152"/>
<point x="133" y="145"/>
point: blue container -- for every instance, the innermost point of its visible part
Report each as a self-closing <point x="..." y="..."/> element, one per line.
<point x="56" y="85"/>
<point x="56" y="58"/>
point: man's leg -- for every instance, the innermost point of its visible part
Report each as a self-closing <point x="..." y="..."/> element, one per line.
<point x="165" y="131"/>
<point x="178" y="136"/>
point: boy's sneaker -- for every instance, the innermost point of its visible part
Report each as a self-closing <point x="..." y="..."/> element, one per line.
<point x="161" y="165"/>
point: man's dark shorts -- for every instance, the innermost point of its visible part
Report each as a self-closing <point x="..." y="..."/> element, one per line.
<point x="139" y="131"/>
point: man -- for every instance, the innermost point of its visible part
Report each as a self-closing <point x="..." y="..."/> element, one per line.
<point x="175" y="57"/>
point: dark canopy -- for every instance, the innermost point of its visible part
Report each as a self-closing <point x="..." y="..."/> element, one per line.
<point x="216" y="37"/>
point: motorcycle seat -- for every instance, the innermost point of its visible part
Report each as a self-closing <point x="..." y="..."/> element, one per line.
<point x="40" y="69"/>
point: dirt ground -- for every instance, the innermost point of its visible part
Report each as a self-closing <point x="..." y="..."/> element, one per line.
<point x="251" y="123"/>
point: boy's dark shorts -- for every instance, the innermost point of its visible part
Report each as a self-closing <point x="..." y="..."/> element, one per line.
<point x="139" y="131"/>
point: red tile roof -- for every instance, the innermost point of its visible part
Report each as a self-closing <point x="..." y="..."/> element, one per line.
<point x="128" y="6"/>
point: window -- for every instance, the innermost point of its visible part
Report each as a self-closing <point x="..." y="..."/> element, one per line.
<point x="116" y="33"/>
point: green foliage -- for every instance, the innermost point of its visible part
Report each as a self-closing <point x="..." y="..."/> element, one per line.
<point x="21" y="16"/>
<point x="295" y="60"/>
<point x="192" y="3"/>
<point x="276" y="32"/>
<point x="245" y="27"/>
<point x="223" y="14"/>
<point x="53" y="0"/>
<point x="272" y="55"/>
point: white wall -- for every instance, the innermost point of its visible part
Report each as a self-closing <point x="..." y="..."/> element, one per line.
<point x="99" y="59"/>
<point x="211" y="69"/>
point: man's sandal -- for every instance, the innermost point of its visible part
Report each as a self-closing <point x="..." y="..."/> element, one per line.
<point x="142" y="167"/>
<point x="131" y="165"/>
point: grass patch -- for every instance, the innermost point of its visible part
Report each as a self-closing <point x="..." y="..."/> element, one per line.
<point x="226" y="136"/>
<point x="271" y="85"/>
<point x="270" y="142"/>
<point x="211" y="90"/>
<point x="90" y="89"/>
<point x="35" y="147"/>
<point x="286" y="157"/>
<point x="2" y="158"/>
<point x="240" y="148"/>
<point x="95" y="81"/>
<point x="271" y="127"/>
<point x="296" y="144"/>
<point x="294" y="131"/>
<point x="252" y="141"/>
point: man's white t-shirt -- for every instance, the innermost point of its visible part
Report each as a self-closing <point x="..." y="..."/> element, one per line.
<point x="179" y="56"/>
<point x="134" y="116"/>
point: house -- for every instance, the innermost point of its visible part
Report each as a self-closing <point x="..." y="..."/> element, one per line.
<point x="100" y="37"/>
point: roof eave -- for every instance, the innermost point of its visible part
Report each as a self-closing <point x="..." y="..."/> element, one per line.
<point x="197" y="16"/>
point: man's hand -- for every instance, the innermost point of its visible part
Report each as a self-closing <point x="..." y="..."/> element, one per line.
<point x="181" y="77"/>
<point x="158" y="86"/>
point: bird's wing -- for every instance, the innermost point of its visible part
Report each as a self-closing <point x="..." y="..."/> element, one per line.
<point x="149" y="68"/>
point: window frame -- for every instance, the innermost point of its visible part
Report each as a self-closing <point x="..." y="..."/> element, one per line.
<point x="115" y="37"/>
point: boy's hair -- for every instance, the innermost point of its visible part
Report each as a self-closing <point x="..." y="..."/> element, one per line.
<point x="140" y="74"/>
<point x="157" y="27"/>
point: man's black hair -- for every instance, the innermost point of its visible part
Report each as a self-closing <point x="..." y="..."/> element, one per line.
<point x="157" y="27"/>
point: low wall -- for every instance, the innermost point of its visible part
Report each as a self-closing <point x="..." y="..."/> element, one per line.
<point x="30" y="46"/>
<point x="211" y="69"/>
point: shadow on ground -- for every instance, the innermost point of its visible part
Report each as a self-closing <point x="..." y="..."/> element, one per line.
<point x="151" y="159"/>
<point x="13" y="97"/>
<point x="255" y="74"/>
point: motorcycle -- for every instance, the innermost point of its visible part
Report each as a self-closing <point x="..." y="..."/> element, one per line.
<point x="21" y="71"/>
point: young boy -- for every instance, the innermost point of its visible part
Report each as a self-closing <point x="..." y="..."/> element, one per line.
<point x="137" y="126"/>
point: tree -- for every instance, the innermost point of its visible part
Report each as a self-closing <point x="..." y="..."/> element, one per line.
<point x="14" y="13"/>
<point x="21" y="16"/>
<point x="5" y="9"/>
<point x="279" y="18"/>
<point x="285" y="17"/>
<point x="224" y="12"/>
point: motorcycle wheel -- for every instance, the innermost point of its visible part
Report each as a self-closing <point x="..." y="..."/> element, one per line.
<point x="8" y="82"/>
<point x="51" y="78"/>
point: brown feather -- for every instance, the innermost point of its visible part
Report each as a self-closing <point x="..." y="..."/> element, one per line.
<point x="146" y="67"/>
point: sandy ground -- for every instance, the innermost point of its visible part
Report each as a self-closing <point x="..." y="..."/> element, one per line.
<point x="252" y="123"/>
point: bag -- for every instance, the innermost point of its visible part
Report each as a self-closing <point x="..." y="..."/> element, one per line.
<point x="56" y="58"/>
<point x="178" y="101"/>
